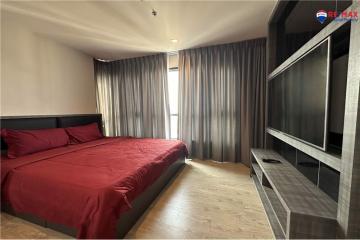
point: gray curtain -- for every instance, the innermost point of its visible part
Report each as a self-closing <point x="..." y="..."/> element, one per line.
<point x="132" y="96"/>
<point x="222" y="100"/>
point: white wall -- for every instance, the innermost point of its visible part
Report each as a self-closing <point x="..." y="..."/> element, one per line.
<point x="42" y="77"/>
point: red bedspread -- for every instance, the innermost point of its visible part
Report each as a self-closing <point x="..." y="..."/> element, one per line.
<point x="86" y="186"/>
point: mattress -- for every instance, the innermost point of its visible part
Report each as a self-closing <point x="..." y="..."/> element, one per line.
<point x="86" y="186"/>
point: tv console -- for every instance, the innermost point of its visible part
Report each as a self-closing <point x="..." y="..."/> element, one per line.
<point x="310" y="178"/>
<point x="296" y="208"/>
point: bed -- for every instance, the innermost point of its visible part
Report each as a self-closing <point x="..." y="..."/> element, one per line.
<point x="96" y="189"/>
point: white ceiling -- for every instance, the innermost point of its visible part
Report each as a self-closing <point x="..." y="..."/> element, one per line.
<point x="118" y="29"/>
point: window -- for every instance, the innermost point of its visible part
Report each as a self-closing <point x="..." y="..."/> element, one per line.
<point x="173" y="86"/>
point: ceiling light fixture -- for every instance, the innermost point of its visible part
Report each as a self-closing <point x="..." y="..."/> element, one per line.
<point x="174" y="40"/>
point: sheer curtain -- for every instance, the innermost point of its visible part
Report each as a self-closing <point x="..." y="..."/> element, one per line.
<point x="132" y="96"/>
<point x="222" y="100"/>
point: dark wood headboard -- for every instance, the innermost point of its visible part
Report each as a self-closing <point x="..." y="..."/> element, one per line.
<point x="53" y="121"/>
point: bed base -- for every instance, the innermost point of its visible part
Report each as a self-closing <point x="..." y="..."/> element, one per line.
<point x="128" y="219"/>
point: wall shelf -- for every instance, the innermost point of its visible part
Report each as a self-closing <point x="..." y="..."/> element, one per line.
<point x="324" y="33"/>
<point x="331" y="160"/>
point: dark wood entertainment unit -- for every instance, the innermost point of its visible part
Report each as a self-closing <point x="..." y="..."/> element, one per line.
<point x="313" y="192"/>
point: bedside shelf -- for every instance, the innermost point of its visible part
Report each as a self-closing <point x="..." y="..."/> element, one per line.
<point x="301" y="209"/>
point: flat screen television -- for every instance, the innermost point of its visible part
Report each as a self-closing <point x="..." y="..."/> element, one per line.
<point x="298" y="97"/>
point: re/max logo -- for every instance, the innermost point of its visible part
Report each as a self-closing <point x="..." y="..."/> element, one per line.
<point x="323" y="15"/>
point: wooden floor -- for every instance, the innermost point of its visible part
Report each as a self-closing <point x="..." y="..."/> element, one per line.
<point x="207" y="200"/>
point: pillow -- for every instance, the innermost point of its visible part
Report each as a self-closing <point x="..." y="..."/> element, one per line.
<point x="85" y="133"/>
<point x="22" y="142"/>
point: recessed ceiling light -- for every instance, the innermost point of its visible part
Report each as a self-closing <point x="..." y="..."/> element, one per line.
<point x="174" y="40"/>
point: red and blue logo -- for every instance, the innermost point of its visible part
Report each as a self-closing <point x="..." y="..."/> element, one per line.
<point x="321" y="16"/>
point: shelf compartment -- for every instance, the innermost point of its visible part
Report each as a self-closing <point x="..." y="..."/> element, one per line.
<point x="278" y="208"/>
<point x="275" y="225"/>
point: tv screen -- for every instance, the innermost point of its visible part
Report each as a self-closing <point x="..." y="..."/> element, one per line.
<point x="297" y="97"/>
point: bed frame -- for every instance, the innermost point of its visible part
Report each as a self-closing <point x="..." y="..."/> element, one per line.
<point x="140" y="204"/>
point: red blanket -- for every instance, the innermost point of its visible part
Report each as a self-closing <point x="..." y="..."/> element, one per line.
<point x="86" y="186"/>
